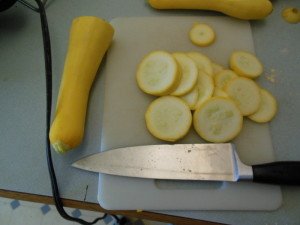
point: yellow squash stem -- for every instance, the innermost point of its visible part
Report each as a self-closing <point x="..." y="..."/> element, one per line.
<point x="241" y="9"/>
<point x="89" y="39"/>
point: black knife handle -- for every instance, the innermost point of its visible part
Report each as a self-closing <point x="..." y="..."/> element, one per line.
<point x="282" y="173"/>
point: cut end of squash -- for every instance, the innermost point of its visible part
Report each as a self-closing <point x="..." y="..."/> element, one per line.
<point x="291" y="15"/>
<point x="61" y="147"/>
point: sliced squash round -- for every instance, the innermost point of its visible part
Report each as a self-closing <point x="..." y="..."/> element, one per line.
<point x="191" y="98"/>
<point x="202" y="34"/>
<point x="203" y="62"/>
<point x="168" y="118"/>
<point x="189" y="74"/>
<point x="246" y="64"/>
<point x="205" y="86"/>
<point x="158" y="73"/>
<point x="267" y="109"/>
<point x="216" y="68"/>
<point x="218" y="120"/>
<point x="245" y="93"/>
<point x="220" y="92"/>
<point x="222" y="78"/>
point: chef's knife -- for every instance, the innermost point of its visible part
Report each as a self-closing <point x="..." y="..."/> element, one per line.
<point x="214" y="162"/>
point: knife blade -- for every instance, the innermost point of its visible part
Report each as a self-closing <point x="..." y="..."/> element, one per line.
<point x="213" y="162"/>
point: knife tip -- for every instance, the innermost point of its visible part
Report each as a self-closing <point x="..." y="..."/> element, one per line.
<point x="75" y="164"/>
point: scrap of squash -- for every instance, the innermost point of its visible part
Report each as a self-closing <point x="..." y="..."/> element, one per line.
<point x="291" y="15"/>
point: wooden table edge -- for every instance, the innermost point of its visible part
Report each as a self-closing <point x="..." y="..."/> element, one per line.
<point x="97" y="208"/>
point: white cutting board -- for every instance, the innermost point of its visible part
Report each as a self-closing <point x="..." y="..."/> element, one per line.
<point x="124" y="125"/>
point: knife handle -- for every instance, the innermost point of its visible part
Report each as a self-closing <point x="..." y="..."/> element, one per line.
<point x="282" y="173"/>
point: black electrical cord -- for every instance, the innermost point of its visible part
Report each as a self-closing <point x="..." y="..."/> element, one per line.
<point x="48" y="70"/>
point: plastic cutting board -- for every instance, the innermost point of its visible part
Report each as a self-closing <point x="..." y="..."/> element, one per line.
<point x="124" y="125"/>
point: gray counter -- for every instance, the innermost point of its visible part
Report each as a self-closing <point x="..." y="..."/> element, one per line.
<point x="23" y="165"/>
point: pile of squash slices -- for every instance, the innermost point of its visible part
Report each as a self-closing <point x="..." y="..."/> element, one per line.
<point x="193" y="90"/>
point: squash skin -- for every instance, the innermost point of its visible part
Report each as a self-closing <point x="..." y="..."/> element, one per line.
<point x="89" y="39"/>
<point x="241" y="9"/>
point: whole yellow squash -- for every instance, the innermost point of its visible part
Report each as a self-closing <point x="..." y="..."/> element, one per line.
<point x="89" y="39"/>
<point x="241" y="9"/>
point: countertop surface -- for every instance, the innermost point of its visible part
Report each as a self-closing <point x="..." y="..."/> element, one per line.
<point x="23" y="166"/>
